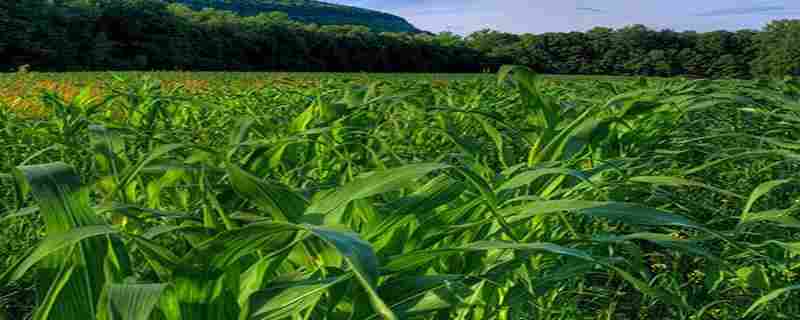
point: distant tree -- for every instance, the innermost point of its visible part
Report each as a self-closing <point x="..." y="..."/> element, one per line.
<point x="5" y="28"/>
<point x="493" y="43"/>
<point x="659" y="63"/>
<point x="100" y="53"/>
<point x="600" y="42"/>
<point x="22" y="21"/>
<point x="778" y="49"/>
<point x="691" y="63"/>
<point x="612" y="62"/>
<point x="727" y="66"/>
<point x="448" y="39"/>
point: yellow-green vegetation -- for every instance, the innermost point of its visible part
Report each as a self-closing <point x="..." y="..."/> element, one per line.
<point x="351" y="197"/>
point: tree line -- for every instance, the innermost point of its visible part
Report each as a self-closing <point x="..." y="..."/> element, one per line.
<point x="67" y="35"/>
<point x="309" y="11"/>
<point x="638" y="50"/>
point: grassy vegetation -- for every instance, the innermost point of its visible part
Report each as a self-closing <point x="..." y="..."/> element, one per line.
<point x="239" y="78"/>
<point x="222" y="196"/>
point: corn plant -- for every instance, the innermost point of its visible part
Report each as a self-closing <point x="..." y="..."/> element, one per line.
<point x="522" y="198"/>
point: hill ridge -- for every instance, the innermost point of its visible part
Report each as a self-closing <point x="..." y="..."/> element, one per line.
<point x="310" y="11"/>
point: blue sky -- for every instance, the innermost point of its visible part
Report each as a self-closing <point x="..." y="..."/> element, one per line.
<point x="537" y="16"/>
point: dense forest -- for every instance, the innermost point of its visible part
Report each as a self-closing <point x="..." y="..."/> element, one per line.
<point x="309" y="11"/>
<point x="166" y="35"/>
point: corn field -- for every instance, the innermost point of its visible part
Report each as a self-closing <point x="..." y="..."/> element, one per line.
<point x="507" y="198"/>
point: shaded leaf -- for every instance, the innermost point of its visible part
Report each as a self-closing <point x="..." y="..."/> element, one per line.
<point x="276" y="199"/>
<point x="768" y="298"/>
<point x="133" y="301"/>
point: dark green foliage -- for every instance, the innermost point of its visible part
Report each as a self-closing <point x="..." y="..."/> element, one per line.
<point x="779" y="49"/>
<point x="149" y="34"/>
<point x="310" y="12"/>
<point x="633" y="50"/>
<point x="304" y="35"/>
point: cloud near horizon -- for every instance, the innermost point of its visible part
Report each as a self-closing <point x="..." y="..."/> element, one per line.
<point x="744" y="11"/>
<point x="538" y="16"/>
<point x="591" y="10"/>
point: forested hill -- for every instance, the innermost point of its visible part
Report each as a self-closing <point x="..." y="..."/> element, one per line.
<point x="309" y="11"/>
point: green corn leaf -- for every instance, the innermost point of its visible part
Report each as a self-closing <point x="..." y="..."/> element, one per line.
<point x="483" y="187"/>
<point x="225" y="249"/>
<point x="131" y="173"/>
<point x="534" y="208"/>
<point x="753" y="277"/>
<point x="50" y="300"/>
<point x="36" y="154"/>
<point x="62" y="199"/>
<point x="161" y="259"/>
<point x="107" y="147"/>
<point x="639" y="107"/>
<point x="400" y="288"/>
<point x="526" y="79"/>
<point x="133" y="301"/>
<point x="793" y="247"/>
<point x="496" y="136"/>
<point x="437" y="192"/>
<point x="302" y="121"/>
<point x="361" y="258"/>
<point x="557" y="145"/>
<point x="520" y="301"/>
<point x="415" y="259"/>
<point x="664" y="240"/>
<point x="253" y="279"/>
<point x="222" y="251"/>
<point x="243" y="130"/>
<point x="199" y="295"/>
<point x="444" y="297"/>
<point x="55" y="243"/>
<point x="619" y="211"/>
<point x="19" y="213"/>
<point x="276" y="199"/>
<point x="647" y="289"/>
<point x="416" y="206"/>
<point x="701" y="313"/>
<point x="69" y="221"/>
<point x="286" y="300"/>
<point x="680" y="182"/>
<point x="768" y="298"/>
<point x="154" y="188"/>
<point x="747" y="154"/>
<point x="529" y="177"/>
<point x="635" y="214"/>
<point x="760" y="191"/>
<point x="376" y="183"/>
<point x="781" y="217"/>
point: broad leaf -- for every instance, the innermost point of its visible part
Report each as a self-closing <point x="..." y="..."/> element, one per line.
<point x="375" y="183"/>
<point x="768" y="298"/>
<point x="68" y="217"/>
<point x="760" y="191"/>
<point x="529" y="177"/>
<point x="276" y="199"/>
<point x="416" y="259"/>
<point x="680" y="182"/>
<point x="53" y="244"/>
<point x="285" y="300"/>
<point x="133" y="301"/>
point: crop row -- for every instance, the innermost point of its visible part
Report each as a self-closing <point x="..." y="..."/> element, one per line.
<point x="519" y="198"/>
